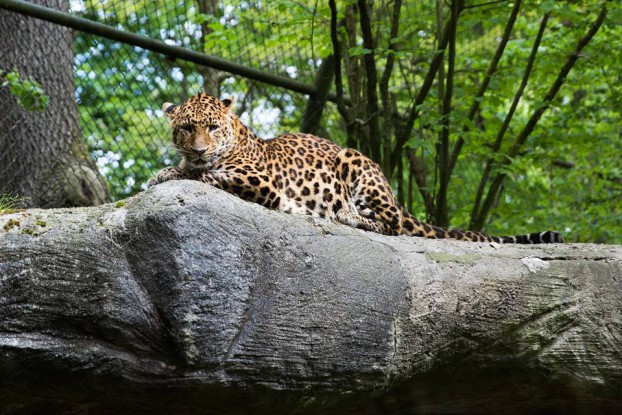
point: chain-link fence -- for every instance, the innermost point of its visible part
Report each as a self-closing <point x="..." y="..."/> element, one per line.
<point x="104" y="68"/>
<point x="119" y="87"/>
<point x="130" y="57"/>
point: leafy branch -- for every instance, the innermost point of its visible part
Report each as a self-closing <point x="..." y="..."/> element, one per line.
<point x="476" y="221"/>
<point x="384" y="84"/>
<point x="497" y="182"/>
<point x="404" y="128"/>
<point x="369" y="61"/>
<point x="442" y="214"/>
<point x="341" y="106"/>
<point x="492" y="69"/>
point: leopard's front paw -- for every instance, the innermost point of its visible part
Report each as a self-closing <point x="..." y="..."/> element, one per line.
<point x="152" y="182"/>
<point x="166" y="174"/>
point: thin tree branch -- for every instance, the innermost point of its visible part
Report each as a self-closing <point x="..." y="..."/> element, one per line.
<point x="492" y="69"/>
<point x="341" y="106"/>
<point x="563" y="164"/>
<point x="476" y="222"/>
<point x="442" y="214"/>
<point x="384" y="86"/>
<point x="535" y="117"/>
<point x="211" y="78"/>
<point x="404" y="129"/>
<point x="400" y="182"/>
<point x="570" y="165"/>
<point x="418" y="171"/>
<point x="369" y="61"/>
<point x="354" y="74"/>
<point x="317" y="102"/>
<point x="488" y="3"/>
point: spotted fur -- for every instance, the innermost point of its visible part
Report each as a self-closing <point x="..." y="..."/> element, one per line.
<point x="296" y="173"/>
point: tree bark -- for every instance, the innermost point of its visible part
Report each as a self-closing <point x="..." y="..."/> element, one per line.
<point x="189" y="300"/>
<point x="44" y="157"/>
<point x="211" y="76"/>
<point x="312" y="117"/>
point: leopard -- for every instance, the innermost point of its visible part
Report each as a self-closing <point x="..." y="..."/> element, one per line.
<point x="296" y="173"/>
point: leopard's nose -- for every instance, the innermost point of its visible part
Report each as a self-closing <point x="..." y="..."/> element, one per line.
<point x="199" y="152"/>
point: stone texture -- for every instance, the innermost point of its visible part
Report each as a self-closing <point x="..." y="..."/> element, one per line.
<point x="185" y="299"/>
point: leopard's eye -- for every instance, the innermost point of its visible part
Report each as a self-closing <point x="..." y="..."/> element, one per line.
<point x="212" y="127"/>
<point x="187" y="128"/>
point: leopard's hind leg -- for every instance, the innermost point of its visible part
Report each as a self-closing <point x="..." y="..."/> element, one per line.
<point x="369" y="192"/>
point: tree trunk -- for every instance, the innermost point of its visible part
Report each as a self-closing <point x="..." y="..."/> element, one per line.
<point x="211" y="76"/>
<point x="189" y="300"/>
<point x="315" y="105"/>
<point x="43" y="155"/>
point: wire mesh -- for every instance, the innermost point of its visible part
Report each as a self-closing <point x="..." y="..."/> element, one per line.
<point x="128" y="84"/>
<point x="119" y="88"/>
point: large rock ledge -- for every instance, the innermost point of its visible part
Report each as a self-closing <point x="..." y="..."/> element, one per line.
<point x="188" y="300"/>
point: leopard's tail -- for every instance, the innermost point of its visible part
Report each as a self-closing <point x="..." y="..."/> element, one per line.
<point x="413" y="227"/>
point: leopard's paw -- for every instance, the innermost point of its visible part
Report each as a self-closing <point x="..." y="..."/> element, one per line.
<point x="152" y="182"/>
<point x="166" y="174"/>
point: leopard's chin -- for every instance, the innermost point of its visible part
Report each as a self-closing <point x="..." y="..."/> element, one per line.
<point x="199" y="164"/>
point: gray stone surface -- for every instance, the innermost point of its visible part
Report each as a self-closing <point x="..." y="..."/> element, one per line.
<point x="186" y="299"/>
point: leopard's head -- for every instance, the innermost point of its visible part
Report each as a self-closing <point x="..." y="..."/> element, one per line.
<point x="203" y="129"/>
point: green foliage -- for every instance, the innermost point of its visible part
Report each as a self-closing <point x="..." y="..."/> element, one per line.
<point x="581" y="130"/>
<point x="29" y="93"/>
<point x="567" y="176"/>
<point x="120" y="88"/>
<point x="8" y="203"/>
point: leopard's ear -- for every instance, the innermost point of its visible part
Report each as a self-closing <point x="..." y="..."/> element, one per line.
<point x="169" y="109"/>
<point x="229" y="102"/>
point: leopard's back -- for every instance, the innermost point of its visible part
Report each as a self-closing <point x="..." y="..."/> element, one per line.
<point x="302" y="168"/>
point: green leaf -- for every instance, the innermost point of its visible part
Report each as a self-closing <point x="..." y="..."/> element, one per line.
<point x="29" y="93"/>
<point x="359" y="51"/>
<point x="548" y="6"/>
